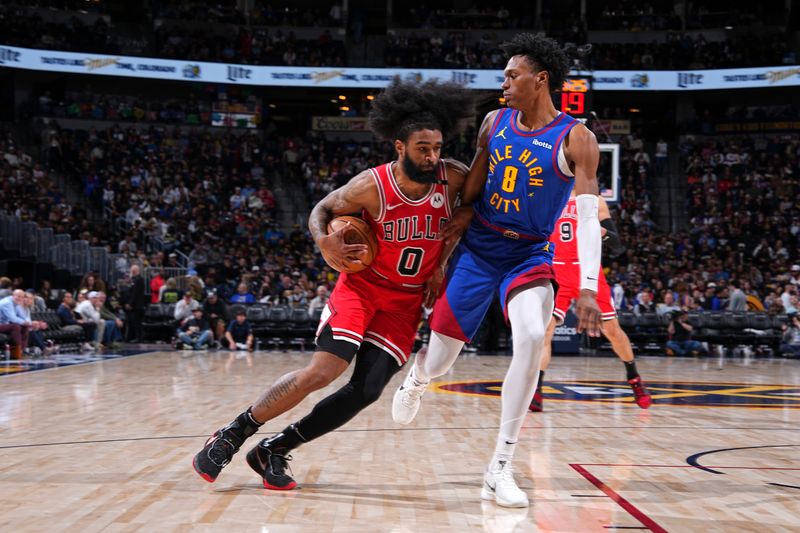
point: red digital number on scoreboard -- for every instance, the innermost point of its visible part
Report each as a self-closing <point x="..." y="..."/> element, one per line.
<point x="576" y="97"/>
<point x="573" y="103"/>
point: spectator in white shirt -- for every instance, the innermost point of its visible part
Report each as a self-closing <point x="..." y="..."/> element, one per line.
<point x="88" y="311"/>
<point x="184" y="308"/>
<point x="319" y="301"/>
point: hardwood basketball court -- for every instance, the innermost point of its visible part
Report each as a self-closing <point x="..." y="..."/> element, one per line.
<point x="107" y="446"/>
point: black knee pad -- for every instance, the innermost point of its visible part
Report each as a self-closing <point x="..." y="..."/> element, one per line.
<point x="374" y="369"/>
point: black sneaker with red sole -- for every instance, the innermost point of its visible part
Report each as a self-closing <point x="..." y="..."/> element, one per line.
<point x="271" y="466"/>
<point x="216" y="454"/>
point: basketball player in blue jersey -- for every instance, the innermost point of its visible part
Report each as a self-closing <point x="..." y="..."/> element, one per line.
<point x="528" y="158"/>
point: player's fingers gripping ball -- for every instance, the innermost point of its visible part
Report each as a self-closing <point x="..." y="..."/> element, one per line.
<point x="357" y="232"/>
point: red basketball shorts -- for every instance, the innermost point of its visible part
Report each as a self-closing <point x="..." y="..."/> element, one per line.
<point x="365" y="308"/>
<point x="568" y="276"/>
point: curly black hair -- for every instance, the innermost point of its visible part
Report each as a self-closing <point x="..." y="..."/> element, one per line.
<point x="542" y="53"/>
<point x="405" y="107"/>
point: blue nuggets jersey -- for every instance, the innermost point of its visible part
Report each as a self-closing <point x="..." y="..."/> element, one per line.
<point x="525" y="190"/>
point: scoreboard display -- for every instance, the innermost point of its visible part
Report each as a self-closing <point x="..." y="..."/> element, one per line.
<point x="575" y="97"/>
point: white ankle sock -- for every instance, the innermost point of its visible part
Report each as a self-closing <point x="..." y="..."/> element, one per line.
<point x="504" y="449"/>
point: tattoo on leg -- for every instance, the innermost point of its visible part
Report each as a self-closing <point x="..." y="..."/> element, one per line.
<point x="280" y="389"/>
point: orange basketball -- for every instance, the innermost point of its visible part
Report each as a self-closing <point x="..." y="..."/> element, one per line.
<point x="358" y="233"/>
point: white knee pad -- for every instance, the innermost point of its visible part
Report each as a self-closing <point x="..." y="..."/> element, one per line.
<point x="527" y="312"/>
<point x="442" y="353"/>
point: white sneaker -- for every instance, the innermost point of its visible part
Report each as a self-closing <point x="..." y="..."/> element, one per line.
<point x="499" y="485"/>
<point x="87" y="347"/>
<point x="407" y="399"/>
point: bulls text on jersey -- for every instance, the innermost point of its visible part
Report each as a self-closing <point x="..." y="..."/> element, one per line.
<point x="411" y="228"/>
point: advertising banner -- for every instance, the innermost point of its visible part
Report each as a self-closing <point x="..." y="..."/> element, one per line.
<point x="566" y="338"/>
<point x="375" y="78"/>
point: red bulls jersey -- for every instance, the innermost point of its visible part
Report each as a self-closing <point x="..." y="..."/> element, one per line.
<point x="407" y="230"/>
<point x="564" y="234"/>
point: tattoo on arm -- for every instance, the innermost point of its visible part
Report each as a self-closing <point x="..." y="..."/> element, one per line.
<point x="318" y="220"/>
<point x="349" y="198"/>
<point x="279" y="390"/>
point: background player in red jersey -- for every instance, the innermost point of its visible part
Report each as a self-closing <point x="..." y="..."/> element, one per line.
<point x="568" y="271"/>
<point x="373" y="313"/>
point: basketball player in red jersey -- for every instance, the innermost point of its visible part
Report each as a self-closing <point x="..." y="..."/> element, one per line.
<point x="372" y="314"/>
<point x="567" y="269"/>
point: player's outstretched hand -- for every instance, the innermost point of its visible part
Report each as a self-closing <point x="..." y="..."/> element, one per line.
<point x="456" y="227"/>
<point x="588" y="312"/>
<point x="433" y="287"/>
<point x="334" y="247"/>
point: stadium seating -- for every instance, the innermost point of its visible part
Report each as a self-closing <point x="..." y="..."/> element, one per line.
<point x="159" y="322"/>
<point x="648" y="331"/>
<point x="278" y="326"/>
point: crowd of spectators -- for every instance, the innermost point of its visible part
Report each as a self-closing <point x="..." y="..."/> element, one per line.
<point x="322" y="165"/>
<point x="457" y="49"/>
<point x="268" y="38"/>
<point x="237" y="44"/>
<point x="683" y="51"/>
<point x="28" y="191"/>
<point x="209" y="196"/>
<point x="741" y="249"/>
<point x="262" y="14"/>
<point x="425" y="17"/>
<point x="125" y="108"/>
<point x="259" y="46"/>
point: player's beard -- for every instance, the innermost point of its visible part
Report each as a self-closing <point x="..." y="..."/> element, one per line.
<point x="414" y="172"/>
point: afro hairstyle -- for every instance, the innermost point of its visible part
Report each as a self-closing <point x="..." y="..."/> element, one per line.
<point x="405" y="107"/>
<point x="542" y="53"/>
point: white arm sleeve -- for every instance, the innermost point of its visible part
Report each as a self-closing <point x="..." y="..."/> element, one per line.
<point x="589" y="240"/>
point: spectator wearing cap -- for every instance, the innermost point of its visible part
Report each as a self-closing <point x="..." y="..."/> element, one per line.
<point x="214" y="309"/>
<point x="88" y="311"/>
<point x="795" y="275"/>
<point x="195" y="331"/>
<point x="243" y="295"/>
<point x="707" y="295"/>
<point x="239" y="335"/>
<point x="254" y="280"/>
<point x="184" y="308"/>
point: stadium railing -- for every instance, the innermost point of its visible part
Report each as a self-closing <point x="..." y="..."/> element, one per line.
<point x="75" y="256"/>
